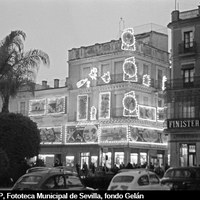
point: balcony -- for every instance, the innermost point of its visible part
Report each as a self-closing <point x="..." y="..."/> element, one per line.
<point x="176" y="84"/>
<point x="189" y="48"/>
<point x="118" y="78"/>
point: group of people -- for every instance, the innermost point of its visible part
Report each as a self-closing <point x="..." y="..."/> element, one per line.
<point x="91" y="170"/>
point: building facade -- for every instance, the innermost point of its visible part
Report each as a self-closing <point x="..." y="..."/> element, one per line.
<point x="183" y="94"/>
<point x="116" y="104"/>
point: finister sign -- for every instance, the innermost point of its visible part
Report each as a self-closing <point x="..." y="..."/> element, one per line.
<point x="189" y="123"/>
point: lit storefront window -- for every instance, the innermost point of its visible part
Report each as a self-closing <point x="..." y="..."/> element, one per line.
<point x="187" y="155"/>
<point x="85" y="158"/>
<point x="143" y="158"/>
<point x="134" y="158"/>
<point x="106" y="159"/>
<point x="94" y="159"/>
<point x="48" y="159"/>
<point x="119" y="158"/>
<point x="70" y="161"/>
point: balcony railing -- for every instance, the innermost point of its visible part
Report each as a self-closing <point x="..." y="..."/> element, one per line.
<point x="118" y="78"/>
<point x="176" y="84"/>
<point x="186" y="48"/>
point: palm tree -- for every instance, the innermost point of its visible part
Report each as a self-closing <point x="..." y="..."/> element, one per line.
<point x="18" y="68"/>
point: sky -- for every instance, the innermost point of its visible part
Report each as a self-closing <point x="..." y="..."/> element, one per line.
<point x="56" y="26"/>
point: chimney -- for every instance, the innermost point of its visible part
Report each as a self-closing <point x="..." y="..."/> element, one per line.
<point x="44" y="84"/>
<point x="175" y="15"/>
<point x="66" y="81"/>
<point x="56" y="83"/>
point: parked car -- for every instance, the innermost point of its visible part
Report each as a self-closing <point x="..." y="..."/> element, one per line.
<point x="34" y="169"/>
<point x="52" y="179"/>
<point x="182" y="178"/>
<point x="136" y="179"/>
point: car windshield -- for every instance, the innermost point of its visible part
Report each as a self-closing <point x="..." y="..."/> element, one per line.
<point x="32" y="180"/>
<point x="123" y="179"/>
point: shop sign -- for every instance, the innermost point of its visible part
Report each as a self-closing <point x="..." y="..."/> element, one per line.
<point x="191" y="123"/>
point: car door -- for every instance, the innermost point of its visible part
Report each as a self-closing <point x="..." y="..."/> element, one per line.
<point x="56" y="182"/>
<point x="155" y="182"/>
<point x="143" y="183"/>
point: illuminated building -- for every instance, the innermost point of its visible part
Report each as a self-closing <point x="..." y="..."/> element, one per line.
<point x="116" y="102"/>
<point x="183" y="95"/>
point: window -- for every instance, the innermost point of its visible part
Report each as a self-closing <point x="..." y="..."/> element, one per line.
<point x="22" y="108"/>
<point x="188" y="39"/>
<point x="188" y="76"/>
<point x="154" y="179"/>
<point x="145" y="69"/>
<point x="160" y="78"/>
<point x="187" y="155"/>
<point x="104" y="69"/>
<point x="143" y="180"/>
<point x="85" y="72"/>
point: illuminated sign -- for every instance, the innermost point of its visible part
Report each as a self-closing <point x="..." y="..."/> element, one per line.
<point x="56" y="105"/>
<point x="128" y="39"/>
<point x="187" y="123"/>
<point x="130" y="104"/>
<point x="51" y="135"/>
<point x="37" y="107"/>
<point x="147" y="113"/>
<point x="104" y="105"/>
<point x="82" y="107"/>
<point x="82" y="134"/>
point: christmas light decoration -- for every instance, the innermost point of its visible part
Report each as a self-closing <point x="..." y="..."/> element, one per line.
<point x="88" y="84"/>
<point x="55" y="105"/>
<point x="104" y="105"/>
<point x="163" y="82"/>
<point x="82" y="107"/>
<point x="128" y="39"/>
<point x="146" y="80"/>
<point x="146" y="113"/>
<point x="81" y="82"/>
<point x="113" y="134"/>
<point x="93" y="73"/>
<point x="51" y="135"/>
<point x="106" y="77"/>
<point x="93" y="113"/>
<point x="37" y="107"/>
<point x="130" y="70"/>
<point x="129" y="103"/>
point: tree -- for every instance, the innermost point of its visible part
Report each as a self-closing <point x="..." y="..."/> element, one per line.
<point x="20" y="140"/>
<point x="18" y="68"/>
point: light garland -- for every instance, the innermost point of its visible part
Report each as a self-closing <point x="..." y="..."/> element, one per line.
<point x="130" y="70"/>
<point x="106" y="77"/>
<point x="128" y="39"/>
<point x="39" y="106"/>
<point x="59" y="107"/>
<point x="93" y="73"/>
<point x="130" y="98"/>
<point x="146" y="80"/>
<point x="149" y="110"/>
<point x="164" y="79"/>
<point x="51" y="135"/>
<point x="93" y="113"/>
<point x="81" y="82"/>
